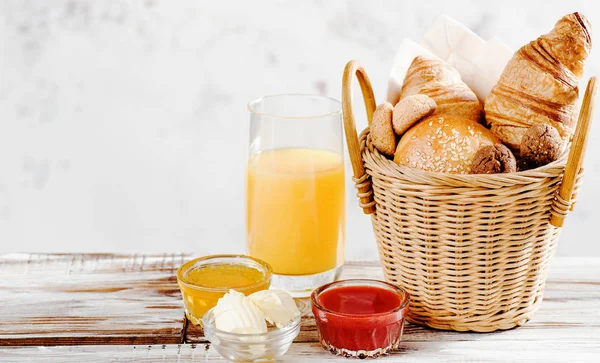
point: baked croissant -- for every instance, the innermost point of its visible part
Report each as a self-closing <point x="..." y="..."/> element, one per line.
<point x="447" y="140"/>
<point x="444" y="85"/>
<point x="540" y="83"/>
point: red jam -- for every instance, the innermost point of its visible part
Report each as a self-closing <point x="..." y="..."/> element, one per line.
<point x="359" y="300"/>
<point x="361" y="318"/>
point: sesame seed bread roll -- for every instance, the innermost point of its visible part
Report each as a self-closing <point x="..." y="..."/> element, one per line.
<point x="443" y="143"/>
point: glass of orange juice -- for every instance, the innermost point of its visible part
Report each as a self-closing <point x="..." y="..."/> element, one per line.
<point x="295" y="189"/>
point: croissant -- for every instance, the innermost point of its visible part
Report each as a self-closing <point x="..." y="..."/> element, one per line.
<point x="540" y="83"/>
<point x="444" y="85"/>
<point x="447" y="140"/>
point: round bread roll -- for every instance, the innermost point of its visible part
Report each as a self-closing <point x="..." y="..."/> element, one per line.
<point x="491" y="159"/>
<point x="541" y="144"/>
<point x="382" y="133"/>
<point x="409" y="110"/>
<point x="443" y="143"/>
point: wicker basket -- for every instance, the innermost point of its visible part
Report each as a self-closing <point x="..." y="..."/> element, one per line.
<point x="472" y="250"/>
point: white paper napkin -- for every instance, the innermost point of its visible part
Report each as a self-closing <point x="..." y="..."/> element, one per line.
<point x="405" y="54"/>
<point x="479" y="62"/>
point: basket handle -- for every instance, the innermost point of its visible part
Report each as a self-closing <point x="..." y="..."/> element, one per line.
<point x="562" y="203"/>
<point x="365" y="193"/>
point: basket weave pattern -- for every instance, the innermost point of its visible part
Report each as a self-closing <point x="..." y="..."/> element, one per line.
<point x="472" y="250"/>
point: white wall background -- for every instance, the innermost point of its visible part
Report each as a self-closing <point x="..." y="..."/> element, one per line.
<point x="123" y="123"/>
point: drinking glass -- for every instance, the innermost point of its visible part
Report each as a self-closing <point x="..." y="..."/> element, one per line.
<point x="295" y="189"/>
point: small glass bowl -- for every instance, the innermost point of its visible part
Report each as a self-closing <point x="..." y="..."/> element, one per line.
<point x="197" y="299"/>
<point x="261" y="347"/>
<point x="360" y="335"/>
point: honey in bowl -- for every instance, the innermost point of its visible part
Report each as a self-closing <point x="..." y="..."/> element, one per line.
<point x="205" y="280"/>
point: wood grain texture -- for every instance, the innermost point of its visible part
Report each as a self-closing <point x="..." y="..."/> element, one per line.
<point x="119" y="300"/>
<point x="90" y="299"/>
<point x="570" y="311"/>
<point x="482" y="350"/>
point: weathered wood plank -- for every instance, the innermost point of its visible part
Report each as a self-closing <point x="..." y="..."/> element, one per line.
<point x="571" y="308"/>
<point x="108" y="299"/>
<point x="484" y="350"/>
<point x="90" y="299"/>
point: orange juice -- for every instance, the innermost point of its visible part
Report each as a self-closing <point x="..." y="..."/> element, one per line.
<point x="296" y="215"/>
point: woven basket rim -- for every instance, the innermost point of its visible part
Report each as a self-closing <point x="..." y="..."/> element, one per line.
<point x="384" y="167"/>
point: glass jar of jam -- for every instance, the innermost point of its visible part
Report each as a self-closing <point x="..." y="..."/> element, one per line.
<point x="360" y="318"/>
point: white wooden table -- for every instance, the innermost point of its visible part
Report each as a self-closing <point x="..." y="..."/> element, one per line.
<point x="127" y="308"/>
